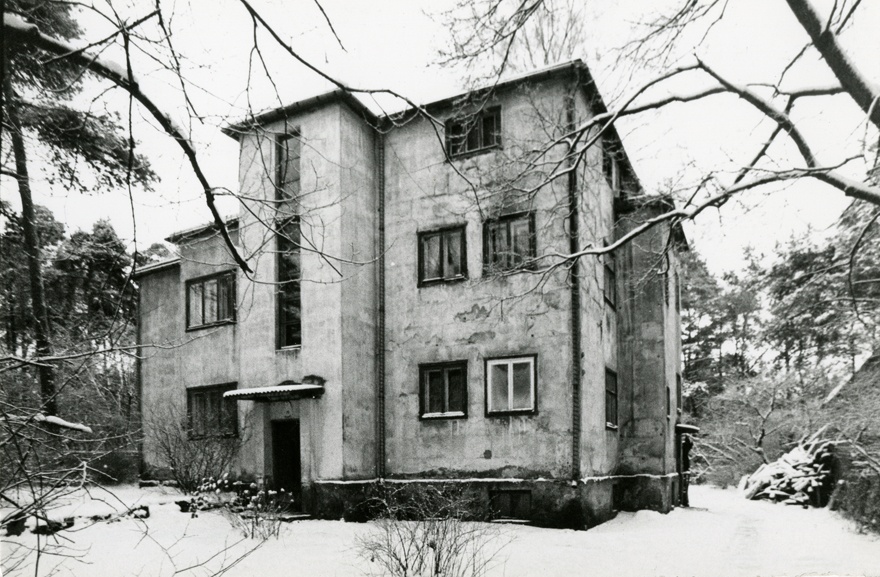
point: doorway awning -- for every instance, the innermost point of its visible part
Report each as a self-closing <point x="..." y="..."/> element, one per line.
<point x="310" y="388"/>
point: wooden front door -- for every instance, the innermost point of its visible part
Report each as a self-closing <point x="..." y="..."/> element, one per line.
<point x="286" y="471"/>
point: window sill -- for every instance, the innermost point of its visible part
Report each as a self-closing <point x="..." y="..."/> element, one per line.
<point x="471" y="153"/>
<point x="611" y="427"/>
<point x="210" y="325"/>
<point x="291" y="348"/>
<point x="442" y="281"/>
<point x="514" y="412"/>
<point x="192" y="437"/>
<point x="443" y="416"/>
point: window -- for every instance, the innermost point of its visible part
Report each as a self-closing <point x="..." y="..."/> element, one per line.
<point x="289" y="305"/>
<point x="209" y="414"/>
<point x="510" y="385"/>
<point x="678" y="393"/>
<point x="677" y="289"/>
<point x="287" y="227"/>
<point x="442" y="256"/>
<point x="210" y="300"/>
<point x="287" y="158"/>
<point x="473" y="133"/>
<point x="610" y="276"/>
<point x="668" y="402"/>
<point x="509" y="242"/>
<point x="443" y="390"/>
<point x="611" y="165"/>
<point x="511" y="503"/>
<point x="610" y="399"/>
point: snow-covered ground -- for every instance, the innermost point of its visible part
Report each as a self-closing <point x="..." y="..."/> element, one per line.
<point x="721" y="535"/>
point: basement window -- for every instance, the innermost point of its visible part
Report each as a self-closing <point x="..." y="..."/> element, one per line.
<point x="210" y="300"/>
<point x="511" y="385"/>
<point x="443" y="390"/>
<point x="473" y="133"/>
<point x="511" y="504"/>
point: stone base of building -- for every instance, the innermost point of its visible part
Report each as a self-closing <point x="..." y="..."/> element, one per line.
<point x="542" y="502"/>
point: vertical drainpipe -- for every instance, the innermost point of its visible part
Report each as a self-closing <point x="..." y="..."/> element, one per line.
<point x="575" y="283"/>
<point x="138" y="377"/>
<point x="379" y="147"/>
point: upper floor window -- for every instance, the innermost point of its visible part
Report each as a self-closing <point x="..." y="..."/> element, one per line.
<point x="474" y="132"/>
<point x="442" y="256"/>
<point x="287" y="168"/>
<point x="610" y="277"/>
<point x="289" y="299"/>
<point x="443" y="390"/>
<point x="210" y="300"/>
<point x="611" y="165"/>
<point x="511" y="385"/>
<point x="509" y="242"/>
<point x="610" y="399"/>
<point x="209" y="414"/>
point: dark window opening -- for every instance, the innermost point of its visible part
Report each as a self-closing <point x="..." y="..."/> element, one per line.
<point x="289" y="314"/>
<point x="210" y="300"/>
<point x="442" y="256"/>
<point x="443" y="390"/>
<point x="678" y="393"/>
<point x="511" y="504"/>
<point x="610" y="278"/>
<point x="611" y="165"/>
<point x="509" y="243"/>
<point x="473" y="133"/>
<point x="209" y="414"/>
<point x="287" y="169"/>
<point x="610" y="399"/>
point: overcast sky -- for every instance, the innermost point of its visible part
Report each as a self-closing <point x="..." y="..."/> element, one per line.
<point x="395" y="43"/>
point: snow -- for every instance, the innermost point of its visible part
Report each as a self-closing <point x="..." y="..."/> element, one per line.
<point x="723" y="535"/>
<point x="58" y="421"/>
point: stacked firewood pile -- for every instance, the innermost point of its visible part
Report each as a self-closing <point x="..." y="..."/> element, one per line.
<point x="801" y="476"/>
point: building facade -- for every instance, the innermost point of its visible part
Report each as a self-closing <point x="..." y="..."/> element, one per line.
<point x="410" y="319"/>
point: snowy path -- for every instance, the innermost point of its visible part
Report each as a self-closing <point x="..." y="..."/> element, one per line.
<point x="723" y="535"/>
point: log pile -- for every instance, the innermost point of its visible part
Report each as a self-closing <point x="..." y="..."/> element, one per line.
<point x="800" y="477"/>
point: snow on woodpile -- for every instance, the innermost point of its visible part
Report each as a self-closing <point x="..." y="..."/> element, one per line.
<point x="799" y="477"/>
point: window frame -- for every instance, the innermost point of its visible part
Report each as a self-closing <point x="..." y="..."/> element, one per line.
<point x="286" y="284"/>
<point x="509" y="361"/>
<point x="230" y="304"/>
<point x="424" y="370"/>
<point x="609" y="268"/>
<point x="611" y="169"/>
<point x="476" y="120"/>
<point x="219" y="432"/>
<point x="615" y="394"/>
<point x="529" y="260"/>
<point x="442" y="232"/>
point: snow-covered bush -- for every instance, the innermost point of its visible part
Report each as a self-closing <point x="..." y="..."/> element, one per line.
<point x="429" y="530"/>
<point x="802" y="476"/>
<point x="256" y="512"/>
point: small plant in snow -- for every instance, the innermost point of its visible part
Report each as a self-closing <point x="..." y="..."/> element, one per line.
<point x="254" y="511"/>
<point x="429" y="530"/>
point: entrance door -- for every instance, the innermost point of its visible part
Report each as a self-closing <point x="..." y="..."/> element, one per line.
<point x="286" y="472"/>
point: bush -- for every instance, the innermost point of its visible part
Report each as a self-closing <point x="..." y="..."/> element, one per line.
<point x="191" y="461"/>
<point x="254" y="511"/>
<point x="429" y="530"/>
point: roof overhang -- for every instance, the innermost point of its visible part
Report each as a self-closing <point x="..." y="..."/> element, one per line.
<point x="310" y="388"/>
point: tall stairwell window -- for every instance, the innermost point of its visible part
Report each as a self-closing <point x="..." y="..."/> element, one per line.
<point x="287" y="240"/>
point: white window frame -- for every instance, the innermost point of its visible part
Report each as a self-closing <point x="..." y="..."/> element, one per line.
<point x="509" y="362"/>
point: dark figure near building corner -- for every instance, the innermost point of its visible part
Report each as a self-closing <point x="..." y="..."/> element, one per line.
<point x="686" y="445"/>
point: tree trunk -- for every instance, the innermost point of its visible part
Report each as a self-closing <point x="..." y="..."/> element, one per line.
<point x="46" y="371"/>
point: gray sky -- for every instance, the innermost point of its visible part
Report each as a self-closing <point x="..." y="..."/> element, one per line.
<point x="394" y="43"/>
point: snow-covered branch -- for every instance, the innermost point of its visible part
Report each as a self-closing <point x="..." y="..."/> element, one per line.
<point x="863" y="92"/>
